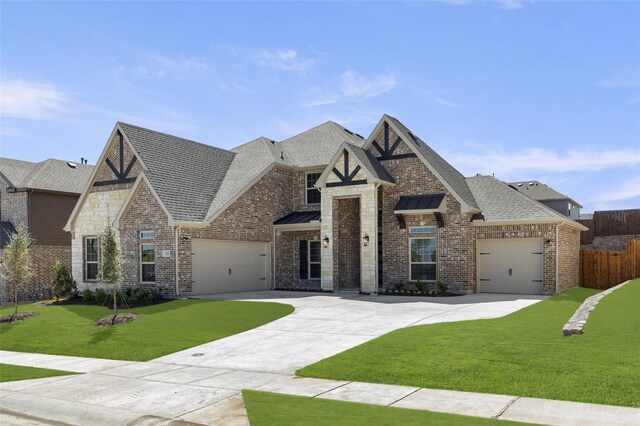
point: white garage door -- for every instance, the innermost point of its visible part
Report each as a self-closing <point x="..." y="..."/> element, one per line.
<point x="510" y="266"/>
<point x="228" y="266"/>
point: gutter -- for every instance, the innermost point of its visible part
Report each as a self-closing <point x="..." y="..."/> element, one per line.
<point x="177" y="254"/>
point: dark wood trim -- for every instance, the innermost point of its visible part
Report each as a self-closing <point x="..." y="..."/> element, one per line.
<point x="353" y="173"/>
<point x="396" y="157"/>
<point x="347" y="183"/>
<point x="114" y="182"/>
<point x="337" y="173"/>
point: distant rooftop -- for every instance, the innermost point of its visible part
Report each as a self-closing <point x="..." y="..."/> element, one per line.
<point x="540" y="191"/>
<point x="47" y="175"/>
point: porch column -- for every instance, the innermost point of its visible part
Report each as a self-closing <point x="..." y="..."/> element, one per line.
<point x="369" y="227"/>
<point x="326" y="231"/>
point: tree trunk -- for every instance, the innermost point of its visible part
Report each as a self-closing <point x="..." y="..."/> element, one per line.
<point x="15" y="299"/>
<point x="115" y="300"/>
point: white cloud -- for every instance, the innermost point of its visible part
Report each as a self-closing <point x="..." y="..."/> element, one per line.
<point x="184" y="64"/>
<point x="502" y="4"/>
<point x="628" y="190"/>
<point x="285" y="60"/>
<point x="510" y="4"/>
<point x="629" y="79"/>
<point x="10" y="131"/>
<point x="354" y="85"/>
<point x="23" y="99"/>
<point x="542" y="160"/>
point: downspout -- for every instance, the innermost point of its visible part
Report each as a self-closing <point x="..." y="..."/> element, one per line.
<point x="557" y="256"/>
<point x="177" y="256"/>
<point x="273" y="260"/>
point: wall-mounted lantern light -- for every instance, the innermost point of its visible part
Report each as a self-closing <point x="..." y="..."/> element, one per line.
<point x="325" y="242"/>
<point x="365" y="240"/>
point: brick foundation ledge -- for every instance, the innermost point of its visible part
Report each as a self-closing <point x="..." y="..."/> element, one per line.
<point x="576" y="323"/>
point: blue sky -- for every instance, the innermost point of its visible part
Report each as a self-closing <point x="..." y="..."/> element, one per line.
<point x="522" y="89"/>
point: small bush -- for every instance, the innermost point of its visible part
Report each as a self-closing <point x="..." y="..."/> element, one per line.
<point x="101" y="295"/>
<point x="442" y="287"/>
<point x="144" y="296"/>
<point x="87" y="296"/>
<point x="422" y="287"/>
<point x="63" y="286"/>
<point x="400" y="286"/>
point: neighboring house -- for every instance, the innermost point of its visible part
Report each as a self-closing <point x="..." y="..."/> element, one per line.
<point x="549" y="197"/>
<point x="325" y="209"/>
<point x="40" y="197"/>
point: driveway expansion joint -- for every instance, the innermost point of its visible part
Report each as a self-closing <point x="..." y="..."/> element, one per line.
<point x="506" y="407"/>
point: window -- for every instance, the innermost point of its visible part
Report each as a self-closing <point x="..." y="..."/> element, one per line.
<point x="147" y="235"/>
<point x="91" y="258"/>
<point x="423" y="259"/>
<point x="312" y="194"/>
<point x="314" y="259"/>
<point x="148" y="262"/>
<point x="422" y="229"/>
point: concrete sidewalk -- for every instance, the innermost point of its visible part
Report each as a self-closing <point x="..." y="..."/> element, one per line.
<point x="143" y="393"/>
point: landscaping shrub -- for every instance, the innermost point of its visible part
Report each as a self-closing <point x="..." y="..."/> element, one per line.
<point x="87" y="296"/>
<point x="422" y="287"/>
<point x="442" y="287"/>
<point x="400" y="286"/>
<point x="63" y="286"/>
<point x="101" y="295"/>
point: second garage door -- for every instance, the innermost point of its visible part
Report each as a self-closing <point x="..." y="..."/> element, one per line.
<point x="510" y="266"/>
<point x="227" y="266"/>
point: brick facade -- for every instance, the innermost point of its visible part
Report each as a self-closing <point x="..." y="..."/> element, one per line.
<point x="568" y="258"/>
<point x="14" y="207"/>
<point x="347" y="241"/>
<point x="287" y="260"/>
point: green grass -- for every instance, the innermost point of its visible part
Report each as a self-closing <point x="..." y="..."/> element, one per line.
<point x="160" y="330"/>
<point x="264" y="408"/>
<point x="10" y="373"/>
<point x="523" y="354"/>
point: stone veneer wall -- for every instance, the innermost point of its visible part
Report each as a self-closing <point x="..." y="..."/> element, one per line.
<point x="368" y="195"/>
<point x="249" y="218"/>
<point x="146" y="214"/>
<point x="347" y="242"/>
<point x="456" y="259"/>
<point x="568" y="258"/>
<point x="287" y="260"/>
<point x="610" y="242"/>
<point x="545" y="231"/>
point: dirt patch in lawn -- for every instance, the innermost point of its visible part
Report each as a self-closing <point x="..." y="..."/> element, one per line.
<point x="17" y="317"/>
<point x="110" y="320"/>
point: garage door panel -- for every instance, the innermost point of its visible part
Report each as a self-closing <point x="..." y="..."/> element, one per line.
<point x="510" y="266"/>
<point x="228" y="266"/>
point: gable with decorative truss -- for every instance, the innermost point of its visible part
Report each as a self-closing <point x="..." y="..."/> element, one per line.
<point x="346" y="171"/>
<point x="389" y="146"/>
<point x="120" y="166"/>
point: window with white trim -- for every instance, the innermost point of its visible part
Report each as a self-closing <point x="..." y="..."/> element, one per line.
<point x="314" y="259"/>
<point x="147" y="258"/>
<point x="423" y="254"/>
<point x="312" y="194"/>
<point x="91" y="251"/>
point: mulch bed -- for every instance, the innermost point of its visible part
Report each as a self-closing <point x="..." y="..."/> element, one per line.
<point x="108" y="303"/>
<point x="20" y="316"/>
<point x="110" y="320"/>
<point x="415" y="293"/>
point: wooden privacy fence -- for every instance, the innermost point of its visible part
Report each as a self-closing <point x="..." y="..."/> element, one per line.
<point x="605" y="269"/>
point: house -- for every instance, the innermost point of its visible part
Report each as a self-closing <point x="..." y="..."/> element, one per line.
<point x="549" y="197"/>
<point x="323" y="210"/>
<point x="40" y="197"/>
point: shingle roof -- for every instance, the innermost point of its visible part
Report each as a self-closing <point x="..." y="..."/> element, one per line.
<point x="540" y="191"/>
<point x="371" y="163"/>
<point x="47" y="175"/>
<point x="452" y="176"/>
<point x="298" y="217"/>
<point x="251" y="159"/>
<point x="317" y="146"/>
<point x="500" y="202"/>
<point x="6" y="231"/>
<point x="185" y="174"/>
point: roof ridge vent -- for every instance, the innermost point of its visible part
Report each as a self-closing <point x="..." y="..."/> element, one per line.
<point x="72" y="165"/>
<point x="347" y="130"/>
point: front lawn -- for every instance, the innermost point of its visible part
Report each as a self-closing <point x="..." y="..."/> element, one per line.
<point x="160" y="330"/>
<point x="264" y="408"/>
<point x="10" y="373"/>
<point x="523" y="354"/>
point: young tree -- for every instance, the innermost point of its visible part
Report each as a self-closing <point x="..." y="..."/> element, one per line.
<point x="111" y="267"/>
<point x="17" y="262"/>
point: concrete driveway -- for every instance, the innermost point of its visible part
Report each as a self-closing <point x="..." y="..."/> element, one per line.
<point x="325" y="324"/>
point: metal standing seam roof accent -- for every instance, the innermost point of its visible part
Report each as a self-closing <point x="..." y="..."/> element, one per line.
<point x="371" y="163"/>
<point x="453" y="177"/>
<point x="499" y="202"/>
<point x="419" y="202"/>
<point x="6" y="231"/>
<point x="299" y="217"/>
<point x="47" y="175"/>
<point x="185" y="174"/>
